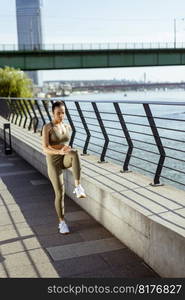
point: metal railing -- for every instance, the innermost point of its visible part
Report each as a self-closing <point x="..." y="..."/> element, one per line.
<point x="93" y="46"/>
<point x="148" y="136"/>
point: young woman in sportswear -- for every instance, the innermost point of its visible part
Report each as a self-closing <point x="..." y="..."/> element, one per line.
<point x="60" y="156"/>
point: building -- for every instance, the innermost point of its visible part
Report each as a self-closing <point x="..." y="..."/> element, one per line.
<point x="29" y="27"/>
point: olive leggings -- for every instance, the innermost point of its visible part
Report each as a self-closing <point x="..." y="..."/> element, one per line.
<point x="55" y="165"/>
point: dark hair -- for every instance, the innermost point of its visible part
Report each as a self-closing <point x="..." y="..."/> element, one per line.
<point x="57" y="104"/>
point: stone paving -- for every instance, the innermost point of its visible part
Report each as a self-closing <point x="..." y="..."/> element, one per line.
<point x="30" y="244"/>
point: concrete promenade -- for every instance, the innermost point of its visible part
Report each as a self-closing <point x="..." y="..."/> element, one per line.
<point x="30" y="245"/>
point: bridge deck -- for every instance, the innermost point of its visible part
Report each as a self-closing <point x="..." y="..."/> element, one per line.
<point x="80" y="59"/>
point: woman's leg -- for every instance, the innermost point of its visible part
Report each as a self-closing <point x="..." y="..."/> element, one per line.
<point x="72" y="159"/>
<point x="56" y="177"/>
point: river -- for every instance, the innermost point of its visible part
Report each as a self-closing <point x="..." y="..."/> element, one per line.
<point x="142" y="156"/>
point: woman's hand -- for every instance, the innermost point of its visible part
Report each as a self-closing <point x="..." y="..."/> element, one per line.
<point x="65" y="149"/>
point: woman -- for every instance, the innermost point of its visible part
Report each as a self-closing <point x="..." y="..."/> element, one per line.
<point x="60" y="156"/>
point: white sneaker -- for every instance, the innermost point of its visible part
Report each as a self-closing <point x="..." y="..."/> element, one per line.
<point x="79" y="191"/>
<point x="63" y="228"/>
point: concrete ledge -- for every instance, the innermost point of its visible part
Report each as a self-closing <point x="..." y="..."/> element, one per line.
<point x="149" y="220"/>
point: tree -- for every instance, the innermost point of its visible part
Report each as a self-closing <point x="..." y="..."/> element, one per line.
<point x="15" y="83"/>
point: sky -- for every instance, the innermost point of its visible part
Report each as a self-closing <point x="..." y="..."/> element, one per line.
<point x="105" y="21"/>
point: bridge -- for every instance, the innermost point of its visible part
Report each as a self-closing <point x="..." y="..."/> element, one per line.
<point x="50" y="57"/>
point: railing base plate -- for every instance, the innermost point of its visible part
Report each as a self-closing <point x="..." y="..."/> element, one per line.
<point x="128" y="171"/>
<point x="84" y="154"/>
<point x="101" y="162"/>
<point x="156" y="184"/>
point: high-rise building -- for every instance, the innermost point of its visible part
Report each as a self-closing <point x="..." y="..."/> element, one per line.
<point x="29" y="27"/>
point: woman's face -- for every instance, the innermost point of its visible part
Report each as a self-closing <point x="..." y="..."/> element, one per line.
<point x="59" y="113"/>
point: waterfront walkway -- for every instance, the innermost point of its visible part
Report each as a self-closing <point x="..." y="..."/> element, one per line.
<point x="30" y="245"/>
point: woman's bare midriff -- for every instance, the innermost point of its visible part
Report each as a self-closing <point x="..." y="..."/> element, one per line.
<point x="57" y="147"/>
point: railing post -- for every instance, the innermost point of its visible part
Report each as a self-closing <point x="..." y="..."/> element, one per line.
<point x="72" y="125"/>
<point x="22" y="106"/>
<point x="27" y="108"/>
<point x="9" y="109"/>
<point x="46" y="109"/>
<point x="41" y="114"/>
<point x="158" y="143"/>
<point x="127" y="136"/>
<point x="20" y="110"/>
<point x="85" y="127"/>
<point x="17" y="107"/>
<point x="15" y="112"/>
<point x="34" y="119"/>
<point x="102" y="127"/>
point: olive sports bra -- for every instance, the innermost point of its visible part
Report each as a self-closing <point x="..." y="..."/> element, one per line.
<point x="58" y="138"/>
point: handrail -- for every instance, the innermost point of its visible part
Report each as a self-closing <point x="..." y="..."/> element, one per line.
<point x="92" y="46"/>
<point x="164" y="102"/>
